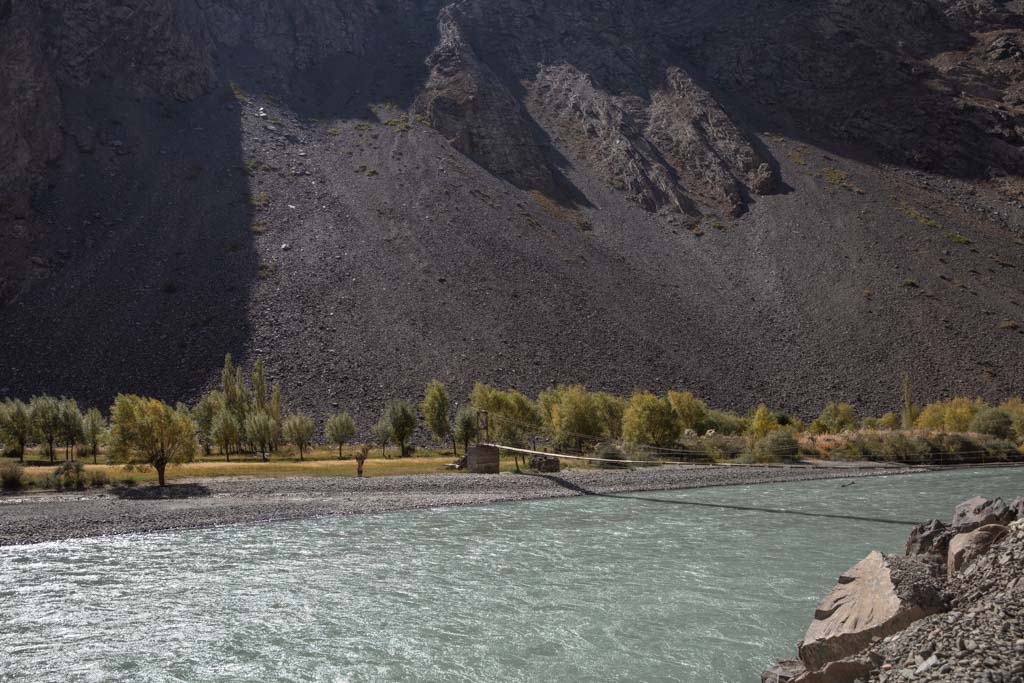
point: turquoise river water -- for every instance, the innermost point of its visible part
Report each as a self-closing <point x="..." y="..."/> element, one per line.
<point x="703" y="585"/>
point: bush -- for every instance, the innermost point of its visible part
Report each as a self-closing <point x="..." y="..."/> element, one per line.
<point x="70" y="475"/>
<point x="722" y="447"/>
<point x="609" y="451"/>
<point x="97" y="479"/>
<point x="993" y="422"/>
<point x="780" y="444"/>
<point x="12" y="476"/>
<point x="724" y="422"/>
<point x="904" y="448"/>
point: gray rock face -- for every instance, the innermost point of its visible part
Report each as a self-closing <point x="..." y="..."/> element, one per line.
<point x="870" y="601"/>
<point x="978" y="512"/>
<point x="930" y="538"/>
<point x="966" y="547"/>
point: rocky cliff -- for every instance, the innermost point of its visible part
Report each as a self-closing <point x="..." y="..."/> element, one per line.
<point x="749" y="199"/>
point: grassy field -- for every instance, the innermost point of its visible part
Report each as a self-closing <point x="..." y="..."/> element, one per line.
<point x="318" y="463"/>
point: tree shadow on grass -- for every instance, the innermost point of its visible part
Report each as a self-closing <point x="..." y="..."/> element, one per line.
<point x="169" y="492"/>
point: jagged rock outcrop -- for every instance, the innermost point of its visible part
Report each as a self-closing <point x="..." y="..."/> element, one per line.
<point x="870" y="601"/>
<point x="887" y="618"/>
<point x="469" y="104"/>
<point x="966" y="547"/>
<point x="980" y="511"/>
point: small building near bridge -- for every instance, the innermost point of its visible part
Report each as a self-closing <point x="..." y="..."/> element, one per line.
<point x="483" y="460"/>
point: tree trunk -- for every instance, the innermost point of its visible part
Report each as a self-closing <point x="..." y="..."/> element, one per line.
<point x="300" y="454"/>
<point x="50" y="448"/>
<point x="21" y="452"/>
<point x="160" y="473"/>
<point x="455" y="451"/>
<point x="339" y="451"/>
<point x="359" y="468"/>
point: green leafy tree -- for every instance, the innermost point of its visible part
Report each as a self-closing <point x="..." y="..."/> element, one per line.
<point x="466" y="426"/>
<point x="46" y="417"/>
<point x="650" y="420"/>
<point x="94" y="429"/>
<point x="150" y="431"/>
<point x="204" y="413"/>
<point x="994" y="422"/>
<point x="70" y="432"/>
<point x="435" y="408"/>
<point x="835" y="418"/>
<point x="17" y="424"/>
<point x="1014" y="407"/>
<point x="299" y="429"/>
<point x="260" y="432"/>
<point x="226" y="432"/>
<point x="909" y="412"/>
<point x="692" y="412"/>
<point x="512" y="416"/>
<point x="402" y="418"/>
<point x="381" y="433"/>
<point x="340" y="429"/>
<point x="574" y="415"/>
<point x="763" y="424"/>
<point x="611" y="408"/>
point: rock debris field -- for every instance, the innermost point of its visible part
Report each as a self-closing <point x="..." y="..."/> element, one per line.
<point x="40" y="517"/>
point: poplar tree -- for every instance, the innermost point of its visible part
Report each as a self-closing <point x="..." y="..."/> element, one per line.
<point x="435" y="412"/>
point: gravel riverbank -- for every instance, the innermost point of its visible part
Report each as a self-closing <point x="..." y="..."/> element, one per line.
<point x="39" y="517"/>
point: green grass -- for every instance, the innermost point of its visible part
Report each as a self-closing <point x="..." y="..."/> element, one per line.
<point x="260" y="200"/>
<point x="321" y="462"/>
<point x="958" y="238"/>
<point x="921" y="218"/>
<point x="911" y="283"/>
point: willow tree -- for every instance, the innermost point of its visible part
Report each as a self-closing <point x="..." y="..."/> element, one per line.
<point x="435" y="409"/>
<point x="94" y="428"/>
<point x="340" y="429"/>
<point x="148" y="431"/>
<point x="16" y="424"/>
<point x="299" y="429"/>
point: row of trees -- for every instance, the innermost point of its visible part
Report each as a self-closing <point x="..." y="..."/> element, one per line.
<point x="52" y="422"/>
<point x="244" y="415"/>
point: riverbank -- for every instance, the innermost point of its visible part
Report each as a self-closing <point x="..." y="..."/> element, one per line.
<point x="206" y="502"/>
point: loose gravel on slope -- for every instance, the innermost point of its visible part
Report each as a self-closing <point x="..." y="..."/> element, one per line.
<point x="35" y="518"/>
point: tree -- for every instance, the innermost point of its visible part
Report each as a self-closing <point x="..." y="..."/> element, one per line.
<point x="573" y="415"/>
<point x="763" y="424"/>
<point x="149" y="430"/>
<point x="70" y="426"/>
<point x="226" y="432"/>
<point x="381" y="433"/>
<point x="299" y="430"/>
<point x="959" y="413"/>
<point x="361" y="455"/>
<point x="94" y="428"/>
<point x="650" y="420"/>
<point x="611" y="408"/>
<point x="17" y="424"/>
<point x="435" y="412"/>
<point x="692" y="412"/>
<point x="909" y="413"/>
<point x="46" y="417"/>
<point x="402" y="418"/>
<point x="204" y="413"/>
<point x="340" y="429"/>
<point x="259" y="430"/>
<point x="466" y="426"/>
<point x="835" y="418"/>
<point x="994" y="422"/>
<point x="511" y="414"/>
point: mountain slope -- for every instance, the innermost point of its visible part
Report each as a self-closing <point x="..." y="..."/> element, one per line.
<point x="774" y="201"/>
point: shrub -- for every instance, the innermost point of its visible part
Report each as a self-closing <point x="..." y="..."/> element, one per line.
<point x="70" y="475"/>
<point x="12" y="476"/>
<point x="97" y="479"/>
<point x="722" y="446"/>
<point x="835" y="418"/>
<point x="993" y="422"/>
<point x="609" y="451"/>
<point x="725" y="422"/>
<point x="903" y="448"/>
<point x="650" y="420"/>
<point x="764" y="423"/>
<point x="778" y="445"/>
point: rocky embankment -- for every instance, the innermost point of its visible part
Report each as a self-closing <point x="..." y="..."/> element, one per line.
<point x="951" y="608"/>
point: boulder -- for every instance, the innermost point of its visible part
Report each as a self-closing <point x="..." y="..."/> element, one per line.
<point x="978" y="511"/>
<point x="785" y="671"/>
<point x="965" y="548"/>
<point x="845" y="670"/>
<point x="1017" y="507"/>
<point x="930" y="538"/>
<point x="877" y="597"/>
<point x="545" y="463"/>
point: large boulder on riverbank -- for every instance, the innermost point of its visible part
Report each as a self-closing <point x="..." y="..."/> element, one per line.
<point x="979" y="511"/>
<point x="930" y="539"/>
<point x="965" y="548"/>
<point x="877" y="597"/>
